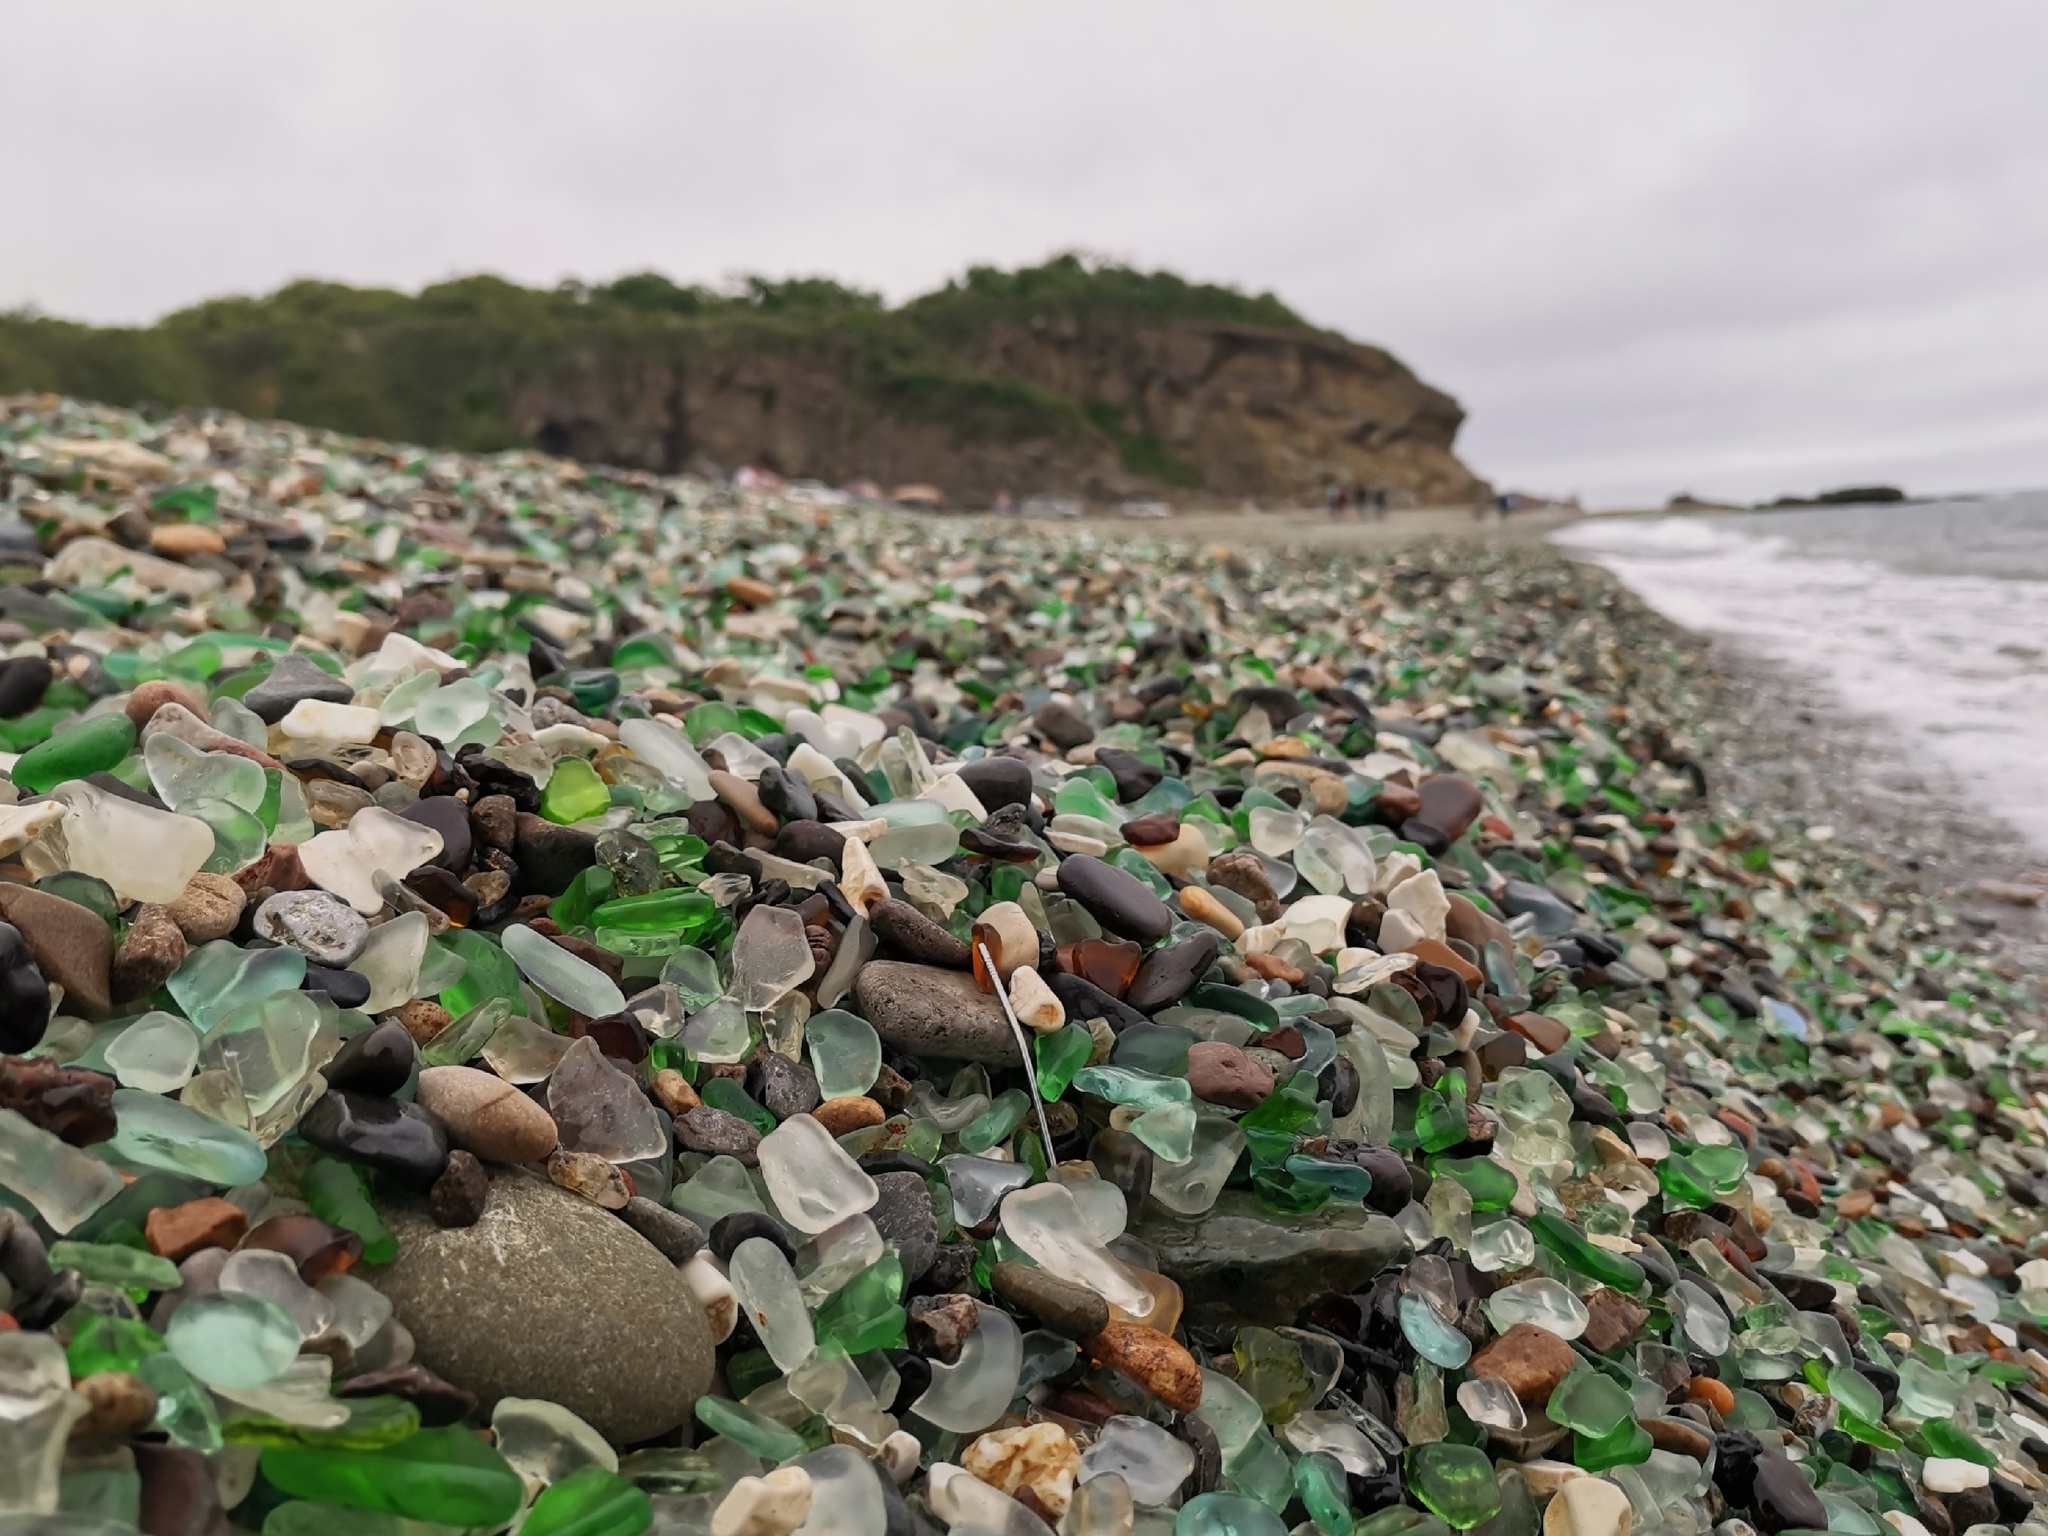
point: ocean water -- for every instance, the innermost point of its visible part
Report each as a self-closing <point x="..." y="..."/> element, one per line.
<point x="1929" y="619"/>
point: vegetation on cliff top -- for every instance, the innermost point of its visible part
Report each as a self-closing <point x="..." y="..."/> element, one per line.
<point x="439" y="366"/>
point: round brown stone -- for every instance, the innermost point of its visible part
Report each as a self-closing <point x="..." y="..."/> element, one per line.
<point x="851" y="1113"/>
<point x="208" y="909"/>
<point x="1531" y="1360"/>
<point x="1220" y="1073"/>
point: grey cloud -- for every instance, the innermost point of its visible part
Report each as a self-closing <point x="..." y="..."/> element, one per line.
<point x="1738" y="249"/>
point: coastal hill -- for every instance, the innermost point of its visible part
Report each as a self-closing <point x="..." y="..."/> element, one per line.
<point x="1071" y="378"/>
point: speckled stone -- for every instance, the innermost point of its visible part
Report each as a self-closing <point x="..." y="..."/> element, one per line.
<point x="930" y="1012"/>
<point x="603" y="1323"/>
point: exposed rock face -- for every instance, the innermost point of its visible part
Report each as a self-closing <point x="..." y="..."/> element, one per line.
<point x="1204" y="412"/>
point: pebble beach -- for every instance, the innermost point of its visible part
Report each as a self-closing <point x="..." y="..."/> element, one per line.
<point x="545" y="998"/>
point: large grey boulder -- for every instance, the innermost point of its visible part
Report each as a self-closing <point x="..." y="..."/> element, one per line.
<point x="553" y="1297"/>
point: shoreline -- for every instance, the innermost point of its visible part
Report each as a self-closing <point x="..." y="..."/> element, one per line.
<point x="1905" y="823"/>
<point x="1909" y="821"/>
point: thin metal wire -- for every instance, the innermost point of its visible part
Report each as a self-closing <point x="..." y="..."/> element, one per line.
<point x="995" y="980"/>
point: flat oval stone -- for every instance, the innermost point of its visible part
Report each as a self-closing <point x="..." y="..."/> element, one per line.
<point x="72" y="945"/>
<point x="802" y="841"/>
<point x="487" y="1115"/>
<point x="998" y="781"/>
<point x="1169" y="974"/>
<point x="915" y="937"/>
<point x="716" y="1132"/>
<point x="1068" y="1309"/>
<point x="1115" y="898"/>
<point x="548" y="1296"/>
<point x="930" y="1012"/>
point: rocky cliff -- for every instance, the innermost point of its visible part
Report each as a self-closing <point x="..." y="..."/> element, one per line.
<point x="1200" y="411"/>
<point x="1068" y="378"/>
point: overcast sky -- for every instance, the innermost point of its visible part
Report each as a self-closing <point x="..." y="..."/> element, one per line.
<point x="1734" y="248"/>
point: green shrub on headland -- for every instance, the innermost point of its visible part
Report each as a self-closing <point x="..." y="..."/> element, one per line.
<point x="441" y="366"/>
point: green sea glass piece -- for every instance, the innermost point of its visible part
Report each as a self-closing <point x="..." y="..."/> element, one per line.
<point x="155" y="1132"/>
<point x="110" y="1264"/>
<point x="770" y="1441"/>
<point x="723" y="1093"/>
<point x="994" y="1124"/>
<point x="1440" y="1121"/>
<point x="589" y="1502"/>
<point x="1169" y="1130"/>
<point x="1454" y="1482"/>
<point x="1434" y="1339"/>
<point x="1227" y="1514"/>
<point x="446" y="1475"/>
<point x="89" y="747"/>
<point x="1628" y="1445"/>
<point x="488" y="972"/>
<point x="1059" y="1056"/>
<point x="1586" y="1258"/>
<point x="1319" y="1479"/>
<point x="334" y="1192"/>
<point x="863" y="1315"/>
<point x="105" y="1343"/>
<point x="1271" y="1369"/>
<point x="185" y="1410"/>
<point x="1491" y="1186"/>
<point x="1589" y="1402"/>
<point x="233" y="1339"/>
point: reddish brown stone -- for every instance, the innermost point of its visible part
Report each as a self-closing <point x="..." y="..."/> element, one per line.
<point x="1395" y="803"/>
<point x="1223" y="1074"/>
<point x="1273" y="968"/>
<point x="277" y="870"/>
<point x="176" y="1232"/>
<point x="1531" y="1360"/>
<point x="1681" y="1436"/>
<point x="1465" y="921"/>
<point x="1613" y="1319"/>
<point x="1287" y="1040"/>
<point x="150" y="697"/>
